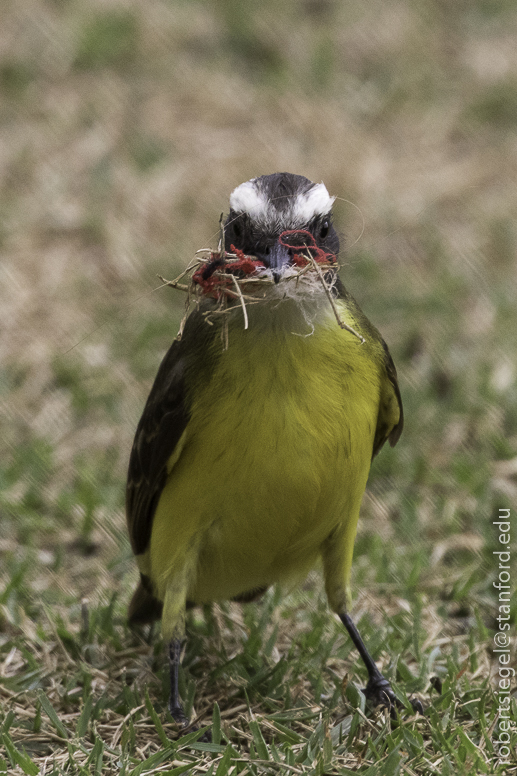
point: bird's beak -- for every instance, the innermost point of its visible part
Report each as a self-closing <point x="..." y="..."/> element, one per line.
<point x="277" y="260"/>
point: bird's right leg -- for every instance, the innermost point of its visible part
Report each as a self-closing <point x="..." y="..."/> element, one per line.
<point x="175" y="705"/>
<point x="173" y="629"/>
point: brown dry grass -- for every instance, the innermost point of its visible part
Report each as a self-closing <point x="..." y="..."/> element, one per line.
<point x="115" y="165"/>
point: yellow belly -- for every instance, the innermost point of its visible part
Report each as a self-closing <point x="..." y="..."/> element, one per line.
<point x="275" y="458"/>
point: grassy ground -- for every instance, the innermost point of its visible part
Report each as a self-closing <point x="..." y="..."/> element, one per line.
<point x="123" y="128"/>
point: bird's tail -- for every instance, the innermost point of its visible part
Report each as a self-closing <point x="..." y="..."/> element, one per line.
<point x="143" y="607"/>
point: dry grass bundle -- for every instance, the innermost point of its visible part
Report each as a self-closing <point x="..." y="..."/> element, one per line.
<point x="235" y="277"/>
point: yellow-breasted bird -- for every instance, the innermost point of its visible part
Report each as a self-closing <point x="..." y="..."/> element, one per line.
<point x="250" y="461"/>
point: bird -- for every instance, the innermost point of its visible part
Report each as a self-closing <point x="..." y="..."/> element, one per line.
<point x="253" y="451"/>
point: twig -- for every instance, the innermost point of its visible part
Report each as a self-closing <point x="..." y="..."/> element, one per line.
<point x="328" y="292"/>
<point x="220" y="247"/>
<point x="174" y="283"/>
<point x="224" y="333"/>
<point x="241" y="299"/>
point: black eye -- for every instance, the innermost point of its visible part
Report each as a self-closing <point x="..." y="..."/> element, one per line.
<point x="237" y="229"/>
<point x="324" y="229"/>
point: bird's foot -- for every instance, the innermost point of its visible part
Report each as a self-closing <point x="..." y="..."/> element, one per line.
<point x="378" y="692"/>
<point x="182" y="721"/>
<point x="178" y="715"/>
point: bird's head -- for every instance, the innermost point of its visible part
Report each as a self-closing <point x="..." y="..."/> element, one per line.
<point x="262" y="209"/>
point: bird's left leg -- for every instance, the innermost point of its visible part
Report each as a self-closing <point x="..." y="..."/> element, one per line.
<point x="378" y="690"/>
<point x="337" y="560"/>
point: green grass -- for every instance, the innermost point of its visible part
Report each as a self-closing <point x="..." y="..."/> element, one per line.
<point x="83" y="687"/>
<point x="122" y="133"/>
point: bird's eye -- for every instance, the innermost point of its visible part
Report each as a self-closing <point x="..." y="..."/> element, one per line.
<point x="324" y="230"/>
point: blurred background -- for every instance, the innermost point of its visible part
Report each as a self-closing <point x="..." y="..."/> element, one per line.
<point x="124" y="126"/>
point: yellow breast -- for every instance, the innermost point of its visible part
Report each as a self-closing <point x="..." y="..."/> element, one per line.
<point x="274" y="458"/>
<point x="276" y="455"/>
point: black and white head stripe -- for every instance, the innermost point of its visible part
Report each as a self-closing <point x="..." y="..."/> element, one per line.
<point x="282" y="199"/>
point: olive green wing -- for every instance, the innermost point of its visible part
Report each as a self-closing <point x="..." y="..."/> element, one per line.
<point x="161" y="426"/>
<point x="390" y="419"/>
<point x="163" y="423"/>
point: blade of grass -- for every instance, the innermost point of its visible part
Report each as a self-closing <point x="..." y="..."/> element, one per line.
<point x="84" y="719"/>
<point x="216" y="724"/>
<point x="21" y="759"/>
<point x="258" y="739"/>
<point x="157" y="721"/>
<point x="52" y="715"/>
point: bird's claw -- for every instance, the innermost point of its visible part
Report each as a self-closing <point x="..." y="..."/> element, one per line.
<point x="182" y="721"/>
<point x="378" y="692"/>
<point x="417" y="706"/>
<point x="178" y="715"/>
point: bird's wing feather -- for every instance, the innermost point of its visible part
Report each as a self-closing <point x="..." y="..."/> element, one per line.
<point x="163" y="423"/>
<point x="390" y="420"/>
<point x="161" y="426"/>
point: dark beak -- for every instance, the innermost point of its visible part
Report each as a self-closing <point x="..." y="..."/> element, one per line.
<point x="277" y="260"/>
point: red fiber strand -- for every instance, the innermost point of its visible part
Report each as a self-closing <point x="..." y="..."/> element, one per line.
<point x="214" y="284"/>
<point x="208" y="275"/>
<point x="318" y="254"/>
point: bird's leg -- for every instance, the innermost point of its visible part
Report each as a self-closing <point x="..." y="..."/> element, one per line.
<point x="378" y="690"/>
<point x="175" y="707"/>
